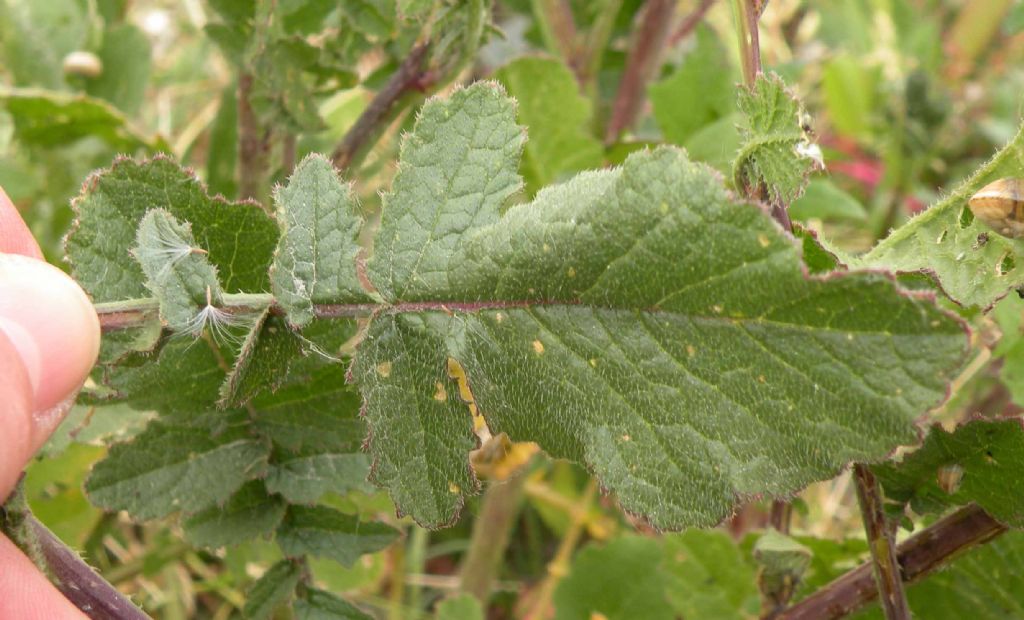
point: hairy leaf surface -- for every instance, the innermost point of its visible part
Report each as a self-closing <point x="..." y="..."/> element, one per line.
<point x="944" y="239"/>
<point x="239" y="237"/>
<point x="642" y="321"/>
<point x="316" y="256"/>
<point x="774" y="151"/>
<point x="180" y="464"/>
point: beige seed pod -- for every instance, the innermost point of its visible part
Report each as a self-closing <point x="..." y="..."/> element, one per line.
<point x="1000" y="206"/>
<point x="83" y="63"/>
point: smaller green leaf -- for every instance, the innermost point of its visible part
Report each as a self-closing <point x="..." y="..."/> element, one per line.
<point x="178" y="464"/>
<point x="185" y="378"/>
<point x="783" y="563"/>
<point x="824" y="201"/>
<point x="973" y="264"/>
<point x="462" y="607"/>
<point x="178" y="273"/>
<point x="775" y="153"/>
<point x="315" y="260"/>
<point x="240" y="237"/>
<point x="316" y="604"/>
<point x="982" y="461"/>
<point x="250" y="513"/>
<point x="323" y="531"/>
<point x="591" y="588"/>
<point x="304" y="477"/>
<point x="262" y="361"/>
<point x="272" y="590"/>
<point x="116" y="345"/>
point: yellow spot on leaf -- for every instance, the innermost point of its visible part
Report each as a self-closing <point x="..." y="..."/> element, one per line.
<point x="538" y="347"/>
<point x="454" y="488"/>
<point x="384" y="369"/>
<point x="626" y="438"/>
<point x="593" y="362"/>
<point x="546" y="248"/>
<point x="499" y="317"/>
<point x="596" y="615"/>
<point x="763" y="240"/>
<point x="457" y="372"/>
<point x="663" y="207"/>
<point x="849" y="337"/>
<point x="440" y="394"/>
<point x="717" y="309"/>
<point x="761" y="379"/>
<point x="690" y="350"/>
<point x="571" y="272"/>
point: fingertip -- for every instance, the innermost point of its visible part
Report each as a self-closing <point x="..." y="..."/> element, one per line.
<point x="51" y="322"/>
<point x="15" y="237"/>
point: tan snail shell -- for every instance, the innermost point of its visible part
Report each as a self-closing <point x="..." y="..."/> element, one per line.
<point x="1000" y="206"/>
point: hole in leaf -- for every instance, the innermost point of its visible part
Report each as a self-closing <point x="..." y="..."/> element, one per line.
<point x="966" y="217"/>
<point x="1006" y="265"/>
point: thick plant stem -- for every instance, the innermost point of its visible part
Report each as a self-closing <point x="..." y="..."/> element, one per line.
<point x="780" y="516"/>
<point x="80" y="584"/>
<point x="641" y="63"/>
<point x="880" y="539"/>
<point x="746" y="14"/>
<point x="75" y="579"/>
<point x="411" y="79"/>
<point x="588" y="65"/>
<point x="288" y="144"/>
<point x="918" y="556"/>
<point x="491" y="530"/>
<point x="253" y="145"/>
<point x="557" y="27"/>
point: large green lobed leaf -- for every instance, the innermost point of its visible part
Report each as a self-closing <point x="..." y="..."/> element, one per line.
<point x="644" y="322"/>
<point x="640" y="320"/>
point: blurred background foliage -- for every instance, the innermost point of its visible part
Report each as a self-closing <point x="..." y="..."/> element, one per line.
<point x="904" y="97"/>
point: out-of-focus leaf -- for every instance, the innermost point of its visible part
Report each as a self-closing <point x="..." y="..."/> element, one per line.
<point x="634" y="589"/>
<point x="824" y="201"/>
<point x="982" y="462"/>
<point x="550" y="104"/>
<point x="275" y="588"/>
<point x="248" y="514"/>
<point x="701" y="91"/>
<point x="126" y="65"/>
<point x="323" y="531"/>
<point x="51" y="119"/>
